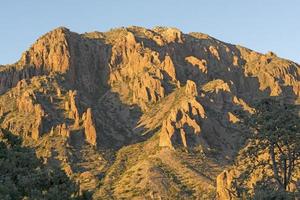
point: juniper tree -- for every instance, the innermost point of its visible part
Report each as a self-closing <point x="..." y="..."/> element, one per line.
<point x="274" y="127"/>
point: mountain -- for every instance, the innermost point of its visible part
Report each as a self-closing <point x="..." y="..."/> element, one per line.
<point x="135" y="113"/>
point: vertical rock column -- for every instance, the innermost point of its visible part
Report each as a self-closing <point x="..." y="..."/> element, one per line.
<point x="38" y="125"/>
<point x="90" y="128"/>
<point x="71" y="107"/>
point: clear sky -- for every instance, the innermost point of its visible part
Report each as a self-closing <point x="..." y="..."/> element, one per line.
<point x="261" y="25"/>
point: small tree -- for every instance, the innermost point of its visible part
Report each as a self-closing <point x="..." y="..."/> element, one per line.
<point x="275" y="128"/>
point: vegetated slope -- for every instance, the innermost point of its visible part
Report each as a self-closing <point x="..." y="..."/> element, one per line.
<point x="135" y="113"/>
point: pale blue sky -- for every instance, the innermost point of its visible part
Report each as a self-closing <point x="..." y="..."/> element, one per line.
<point x="261" y="25"/>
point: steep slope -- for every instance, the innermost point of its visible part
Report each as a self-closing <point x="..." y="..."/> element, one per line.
<point x="136" y="113"/>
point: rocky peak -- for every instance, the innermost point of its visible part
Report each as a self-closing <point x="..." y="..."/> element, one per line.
<point x="147" y="88"/>
<point x="50" y="52"/>
<point x="170" y="34"/>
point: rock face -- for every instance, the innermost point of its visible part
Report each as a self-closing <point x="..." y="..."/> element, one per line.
<point x="50" y="52"/>
<point x="182" y="126"/>
<point x="11" y="75"/>
<point x="27" y="104"/>
<point x="71" y="107"/>
<point x="38" y="126"/>
<point x="89" y="128"/>
<point x="201" y="64"/>
<point x="154" y="92"/>
<point x="63" y="130"/>
<point x="225" y="185"/>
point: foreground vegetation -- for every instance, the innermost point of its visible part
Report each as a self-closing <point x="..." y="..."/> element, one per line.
<point x="24" y="176"/>
<point x="272" y="154"/>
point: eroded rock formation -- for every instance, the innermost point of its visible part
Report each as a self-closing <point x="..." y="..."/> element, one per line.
<point x="71" y="107"/>
<point x="225" y="188"/>
<point x="27" y="103"/>
<point x="89" y="127"/>
<point x="182" y="125"/>
<point x="148" y="89"/>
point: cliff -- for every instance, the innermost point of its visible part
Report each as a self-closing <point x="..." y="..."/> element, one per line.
<point x="154" y="110"/>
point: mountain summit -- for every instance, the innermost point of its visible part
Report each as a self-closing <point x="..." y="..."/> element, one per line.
<point x="137" y="113"/>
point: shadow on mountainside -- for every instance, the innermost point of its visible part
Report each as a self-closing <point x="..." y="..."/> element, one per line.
<point x="261" y="133"/>
<point x="116" y="122"/>
<point x="243" y="86"/>
<point x="89" y="71"/>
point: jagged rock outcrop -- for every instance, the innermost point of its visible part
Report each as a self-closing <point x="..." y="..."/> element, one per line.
<point x="201" y="64"/>
<point x="232" y="118"/>
<point x="216" y="85"/>
<point x="148" y="89"/>
<point x="182" y="125"/>
<point x="272" y="72"/>
<point x="170" y="34"/>
<point x="168" y="67"/>
<point x="191" y="88"/>
<point x="11" y="75"/>
<point x="27" y="103"/>
<point x="59" y="51"/>
<point x="37" y="128"/>
<point x="71" y="107"/>
<point x="90" y="128"/>
<point x="225" y="187"/>
<point x="60" y="130"/>
<point x="51" y="52"/>
<point x="64" y="131"/>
